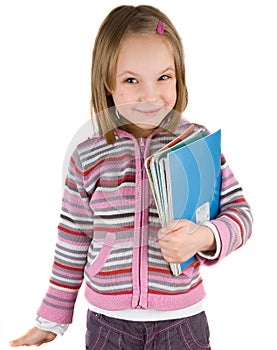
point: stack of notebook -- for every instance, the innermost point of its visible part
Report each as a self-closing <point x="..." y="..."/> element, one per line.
<point x="185" y="177"/>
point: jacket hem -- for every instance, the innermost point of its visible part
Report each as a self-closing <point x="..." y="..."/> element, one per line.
<point x="162" y="302"/>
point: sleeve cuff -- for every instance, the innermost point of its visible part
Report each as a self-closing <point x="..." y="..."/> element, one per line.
<point x="215" y="254"/>
<point x="45" y="325"/>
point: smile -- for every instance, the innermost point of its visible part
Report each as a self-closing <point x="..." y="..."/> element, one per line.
<point x="149" y="112"/>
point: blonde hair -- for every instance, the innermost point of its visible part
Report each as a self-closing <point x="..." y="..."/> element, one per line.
<point x="120" y="22"/>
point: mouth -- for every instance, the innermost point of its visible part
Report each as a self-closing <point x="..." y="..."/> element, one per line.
<point x="144" y="115"/>
<point x="149" y="112"/>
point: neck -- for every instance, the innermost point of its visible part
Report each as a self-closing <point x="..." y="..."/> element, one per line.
<point x="137" y="131"/>
<point x="133" y="129"/>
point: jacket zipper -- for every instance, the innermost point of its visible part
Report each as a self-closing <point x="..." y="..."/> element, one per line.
<point x="140" y="251"/>
<point x="142" y="302"/>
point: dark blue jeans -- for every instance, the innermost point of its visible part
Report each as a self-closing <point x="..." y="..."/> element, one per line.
<point x="106" y="333"/>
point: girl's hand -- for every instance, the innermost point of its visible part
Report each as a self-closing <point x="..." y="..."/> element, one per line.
<point x="181" y="239"/>
<point x="34" y="336"/>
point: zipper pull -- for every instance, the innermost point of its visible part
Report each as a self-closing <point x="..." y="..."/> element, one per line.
<point x="142" y="146"/>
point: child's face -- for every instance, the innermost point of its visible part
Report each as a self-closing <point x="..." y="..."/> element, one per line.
<point x="145" y="89"/>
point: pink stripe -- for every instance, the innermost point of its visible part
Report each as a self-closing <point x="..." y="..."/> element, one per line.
<point x="55" y="315"/>
<point x="103" y="168"/>
<point x="225" y="239"/>
<point x="71" y="201"/>
<point x="229" y="182"/>
<point x="59" y="303"/>
<point x="73" y="210"/>
<point x="226" y="172"/>
<point x="113" y="204"/>
<point x="118" y="241"/>
<point x="109" y="201"/>
<point x="155" y="301"/>
<point x="122" y="191"/>
<point x="62" y="295"/>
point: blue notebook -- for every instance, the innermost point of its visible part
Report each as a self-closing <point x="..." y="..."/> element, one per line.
<point x="186" y="182"/>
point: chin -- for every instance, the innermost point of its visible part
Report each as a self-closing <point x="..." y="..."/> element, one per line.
<point x="147" y="126"/>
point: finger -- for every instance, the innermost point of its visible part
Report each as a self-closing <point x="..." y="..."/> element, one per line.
<point x="172" y="260"/>
<point x="167" y="257"/>
<point x="162" y="236"/>
<point x="172" y="226"/>
<point x="16" y="342"/>
<point x="13" y="343"/>
<point x="164" y="231"/>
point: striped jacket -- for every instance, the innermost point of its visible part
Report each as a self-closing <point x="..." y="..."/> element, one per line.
<point x="107" y="234"/>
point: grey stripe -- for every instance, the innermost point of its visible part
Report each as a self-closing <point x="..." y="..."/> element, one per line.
<point x="115" y="287"/>
<point x="62" y="270"/>
<point x="59" y="299"/>
<point x="177" y="288"/>
<point x="73" y="264"/>
<point x="232" y="240"/>
<point x="60" y="278"/>
<point x="81" y="256"/>
<point x="55" y="306"/>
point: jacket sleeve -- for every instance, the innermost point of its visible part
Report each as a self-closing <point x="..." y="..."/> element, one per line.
<point x="234" y="220"/>
<point x="74" y="237"/>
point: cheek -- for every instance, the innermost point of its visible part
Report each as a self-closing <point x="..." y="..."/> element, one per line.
<point x="170" y="94"/>
<point x="119" y="97"/>
<point x="122" y="97"/>
<point x="174" y="94"/>
<point x="172" y="97"/>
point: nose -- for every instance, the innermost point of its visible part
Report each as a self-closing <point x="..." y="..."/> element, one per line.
<point x="149" y="93"/>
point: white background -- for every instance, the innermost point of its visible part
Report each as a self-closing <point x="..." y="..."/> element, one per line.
<point x="45" y="58"/>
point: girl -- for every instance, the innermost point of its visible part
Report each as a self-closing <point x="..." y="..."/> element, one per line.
<point x="109" y="233"/>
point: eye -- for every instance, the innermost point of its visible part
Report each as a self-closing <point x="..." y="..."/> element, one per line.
<point x="164" y="77"/>
<point x="131" y="80"/>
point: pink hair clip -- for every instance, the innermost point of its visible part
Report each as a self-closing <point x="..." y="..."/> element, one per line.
<point x="160" y="27"/>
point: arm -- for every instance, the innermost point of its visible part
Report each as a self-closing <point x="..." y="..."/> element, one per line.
<point x="181" y="239"/>
<point x="234" y="220"/>
<point x="74" y="237"/>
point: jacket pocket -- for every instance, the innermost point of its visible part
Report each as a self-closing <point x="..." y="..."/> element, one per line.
<point x="107" y="245"/>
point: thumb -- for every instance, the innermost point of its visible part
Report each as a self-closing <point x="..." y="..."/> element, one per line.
<point x="170" y="227"/>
